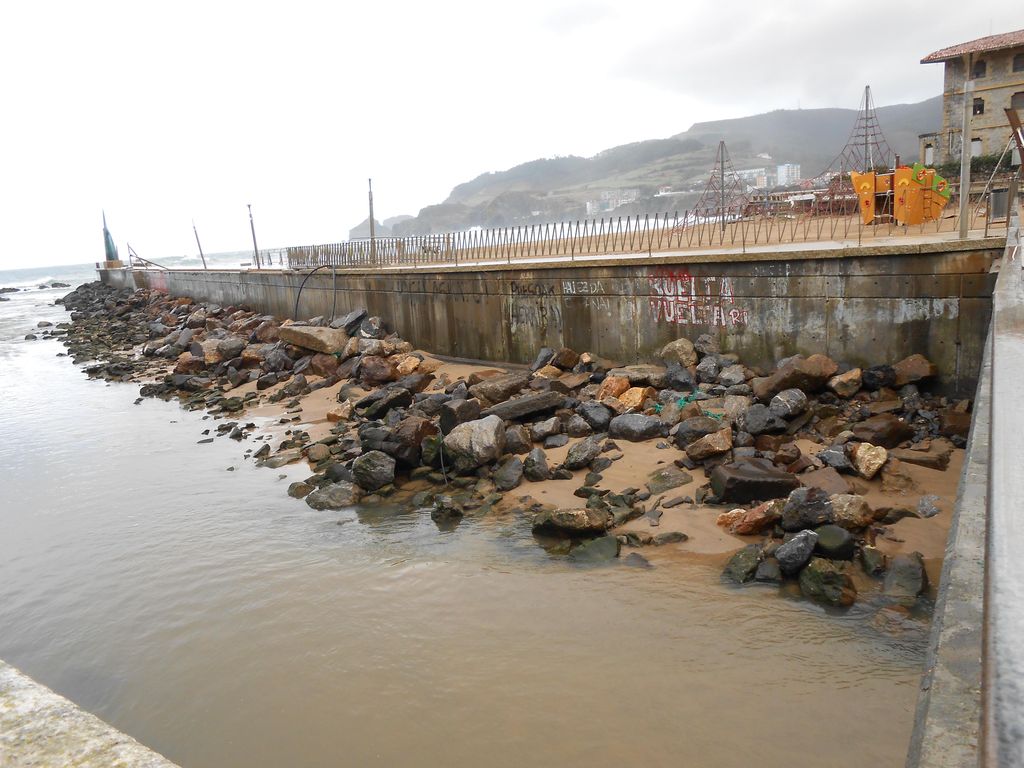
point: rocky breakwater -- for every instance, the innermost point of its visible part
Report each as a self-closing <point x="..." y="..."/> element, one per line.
<point x="785" y="455"/>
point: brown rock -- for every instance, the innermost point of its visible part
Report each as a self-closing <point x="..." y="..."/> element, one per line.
<point x="341" y="412"/>
<point x="316" y="338"/>
<point x="868" y="459"/>
<point x="408" y="364"/>
<point x="935" y="456"/>
<point x="549" y="372"/>
<point x="429" y="365"/>
<point x="884" y="429"/>
<point x="574" y="380"/>
<point x="913" y="368"/>
<point x="476" y="377"/>
<point x="846" y="384"/>
<point x="634" y="397"/>
<point x="850" y="511"/>
<point x="727" y="519"/>
<point x="714" y="444"/>
<point x="317" y="452"/>
<point x="758" y="519"/>
<point x="377" y="370"/>
<point x="895" y="478"/>
<point x="954" y="423"/>
<point x="498" y="389"/>
<point x="827" y="479"/>
<point x="679" y="351"/>
<point x="689" y="411"/>
<point x="412" y="430"/>
<point x="189" y="364"/>
<point x="808" y="374"/>
<point x="323" y="365"/>
<point x="565" y="359"/>
<point x="351" y="348"/>
<point x="612" y="386"/>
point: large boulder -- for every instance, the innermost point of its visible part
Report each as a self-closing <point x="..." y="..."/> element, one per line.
<point x="603" y="549"/>
<point x="788" y="403"/>
<point x="373" y="470"/>
<point x="695" y="428"/>
<point x="375" y="370"/>
<point x="809" y="374"/>
<point x="474" y="443"/>
<point x="827" y="582"/>
<point x="758" y="419"/>
<point x="636" y="427"/>
<point x="751" y="480"/>
<point x="318" y="339"/>
<point x="680" y="351"/>
<point x="884" y="429"/>
<point x="846" y="384"/>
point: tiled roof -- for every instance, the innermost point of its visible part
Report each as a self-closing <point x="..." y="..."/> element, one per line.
<point x="981" y="45"/>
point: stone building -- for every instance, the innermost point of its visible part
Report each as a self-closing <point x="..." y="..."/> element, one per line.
<point x="996" y="67"/>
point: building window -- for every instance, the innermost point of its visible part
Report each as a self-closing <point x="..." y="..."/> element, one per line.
<point x="979" y="106"/>
<point x="979" y="70"/>
<point x="1017" y="100"/>
<point x="1018" y="62"/>
<point x="975" y="147"/>
<point x="929" y="154"/>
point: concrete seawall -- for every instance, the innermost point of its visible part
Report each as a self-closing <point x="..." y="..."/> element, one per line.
<point x="864" y="306"/>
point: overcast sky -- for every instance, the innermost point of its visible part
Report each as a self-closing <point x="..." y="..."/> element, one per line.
<point x="161" y="113"/>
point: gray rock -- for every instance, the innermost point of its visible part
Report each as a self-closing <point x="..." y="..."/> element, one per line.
<point x="906" y="577"/>
<point x="758" y="419"/>
<point x="535" y="468"/>
<point x="806" y="508"/>
<point x="636" y="427"/>
<point x="596" y="415"/>
<point x="556" y="441"/>
<point x="743" y="565"/>
<point x="732" y="375"/>
<point x="794" y="554"/>
<point x="707" y="369"/>
<point x="600" y="550"/>
<point x="667" y="478"/>
<point x="373" y="470"/>
<point x="545" y="429"/>
<point x="827" y="582"/>
<point x="584" y="452"/>
<point x="695" y="428"/>
<point x="334" y="496"/>
<point x="576" y="426"/>
<point x="788" y="403"/>
<point x="527" y="405"/>
<point x="474" y="443"/>
<point x="768" y="572"/>
<point x="517" y="439"/>
<point x="456" y="412"/>
<point x="751" y="480"/>
<point x="509" y="474"/>
<point x="835" y="543"/>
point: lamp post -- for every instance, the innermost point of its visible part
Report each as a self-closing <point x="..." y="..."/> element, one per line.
<point x="252" y="228"/>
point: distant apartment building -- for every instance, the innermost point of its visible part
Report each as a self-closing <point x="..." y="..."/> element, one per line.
<point x="787" y="173"/>
<point x="611" y="199"/>
<point x="993" y="70"/>
<point x="754" y="177"/>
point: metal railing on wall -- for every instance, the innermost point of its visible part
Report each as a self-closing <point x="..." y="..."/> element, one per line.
<point x="830" y="217"/>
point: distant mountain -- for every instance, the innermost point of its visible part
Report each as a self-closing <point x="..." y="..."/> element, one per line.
<point x="630" y="176"/>
<point x="362" y="230"/>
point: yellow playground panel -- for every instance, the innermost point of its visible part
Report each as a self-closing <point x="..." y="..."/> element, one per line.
<point x="907" y="195"/>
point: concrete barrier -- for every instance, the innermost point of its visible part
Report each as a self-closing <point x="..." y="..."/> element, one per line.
<point x="864" y="306"/>
<point x="40" y="728"/>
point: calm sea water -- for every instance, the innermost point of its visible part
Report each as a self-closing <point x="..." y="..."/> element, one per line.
<point x="224" y="624"/>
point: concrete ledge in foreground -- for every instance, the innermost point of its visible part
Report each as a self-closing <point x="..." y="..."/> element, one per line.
<point x="40" y="729"/>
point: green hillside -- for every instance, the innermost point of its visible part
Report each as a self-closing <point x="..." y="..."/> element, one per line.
<point x="555" y="189"/>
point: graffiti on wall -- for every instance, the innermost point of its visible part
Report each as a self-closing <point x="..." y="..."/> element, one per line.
<point x="685" y="299"/>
